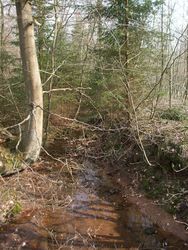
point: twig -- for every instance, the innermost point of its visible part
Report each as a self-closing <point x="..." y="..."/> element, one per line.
<point x="18" y="124"/>
<point x="180" y="170"/>
<point x="182" y="222"/>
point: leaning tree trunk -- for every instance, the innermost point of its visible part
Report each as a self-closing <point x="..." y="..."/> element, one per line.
<point x="32" y="134"/>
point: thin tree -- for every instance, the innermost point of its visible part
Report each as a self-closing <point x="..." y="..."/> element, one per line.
<point x="186" y="85"/>
<point x="162" y="61"/>
<point x="2" y="37"/>
<point x="53" y="59"/>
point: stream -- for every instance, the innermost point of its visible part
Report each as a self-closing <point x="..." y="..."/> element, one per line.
<point x="95" y="216"/>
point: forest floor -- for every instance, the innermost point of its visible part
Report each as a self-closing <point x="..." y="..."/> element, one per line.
<point x="85" y="201"/>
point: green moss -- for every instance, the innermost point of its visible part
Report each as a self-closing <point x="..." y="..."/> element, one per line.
<point x="159" y="184"/>
<point x="9" y="161"/>
<point x="153" y="189"/>
<point x="172" y="155"/>
<point x="11" y="205"/>
<point x="15" y="209"/>
<point x="175" y="114"/>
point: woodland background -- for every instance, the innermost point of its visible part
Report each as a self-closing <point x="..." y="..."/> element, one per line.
<point x="114" y="76"/>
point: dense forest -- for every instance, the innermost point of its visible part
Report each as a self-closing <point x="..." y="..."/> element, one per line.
<point x="93" y="124"/>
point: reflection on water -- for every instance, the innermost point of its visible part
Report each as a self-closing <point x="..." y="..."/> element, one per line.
<point x="88" y="222"/>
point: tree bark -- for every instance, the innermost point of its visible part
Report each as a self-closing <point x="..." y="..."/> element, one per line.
<point x="32" y="135"/>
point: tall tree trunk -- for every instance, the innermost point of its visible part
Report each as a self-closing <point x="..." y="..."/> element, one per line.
<point x="53" y="59"/>
<point x="2" y="40"/>
<point x="126" y="46"/>
<point x="162" y="61"/>
<point x="32" y="135"/>
<point x="126" y="70"/>
<point x="170" y="85"/>
<point x="186" y="85"/>
<point x="99" y="22"/>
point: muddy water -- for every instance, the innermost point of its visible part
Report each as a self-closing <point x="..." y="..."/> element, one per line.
<point x="94" y="218"/>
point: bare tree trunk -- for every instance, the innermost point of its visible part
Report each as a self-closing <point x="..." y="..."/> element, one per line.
<point x="2" y="39"/>
<point x="126" y="57"/>
<point x="170" y="85"/>
<point x="126" y="46"/>
<point x="162" y="61"/>
<point x="186" y="86"/>
<point x="56" y="24"/>
<point x="32" y="136"/>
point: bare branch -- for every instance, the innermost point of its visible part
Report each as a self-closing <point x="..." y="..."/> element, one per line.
<point x="65" y="89"/>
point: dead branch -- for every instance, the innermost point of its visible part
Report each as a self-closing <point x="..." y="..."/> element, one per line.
<point x="65" y="89"/>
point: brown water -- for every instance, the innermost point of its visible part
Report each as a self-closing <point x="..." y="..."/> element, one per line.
<point x="94" y="218"/>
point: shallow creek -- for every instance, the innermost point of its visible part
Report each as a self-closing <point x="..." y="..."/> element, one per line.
<point x="95" y="217"/>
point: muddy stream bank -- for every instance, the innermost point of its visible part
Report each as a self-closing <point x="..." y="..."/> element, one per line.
<point x="101" y="212"/>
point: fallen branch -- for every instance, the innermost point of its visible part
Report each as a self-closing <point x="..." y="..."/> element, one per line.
<point x="23" y="167"/>
<point x="65" y="89"/>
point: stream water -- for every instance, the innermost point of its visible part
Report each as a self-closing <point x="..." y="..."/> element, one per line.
<point x="93" y="218"/>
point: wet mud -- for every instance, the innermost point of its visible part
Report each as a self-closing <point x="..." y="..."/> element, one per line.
<point x="96" y="217"/>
